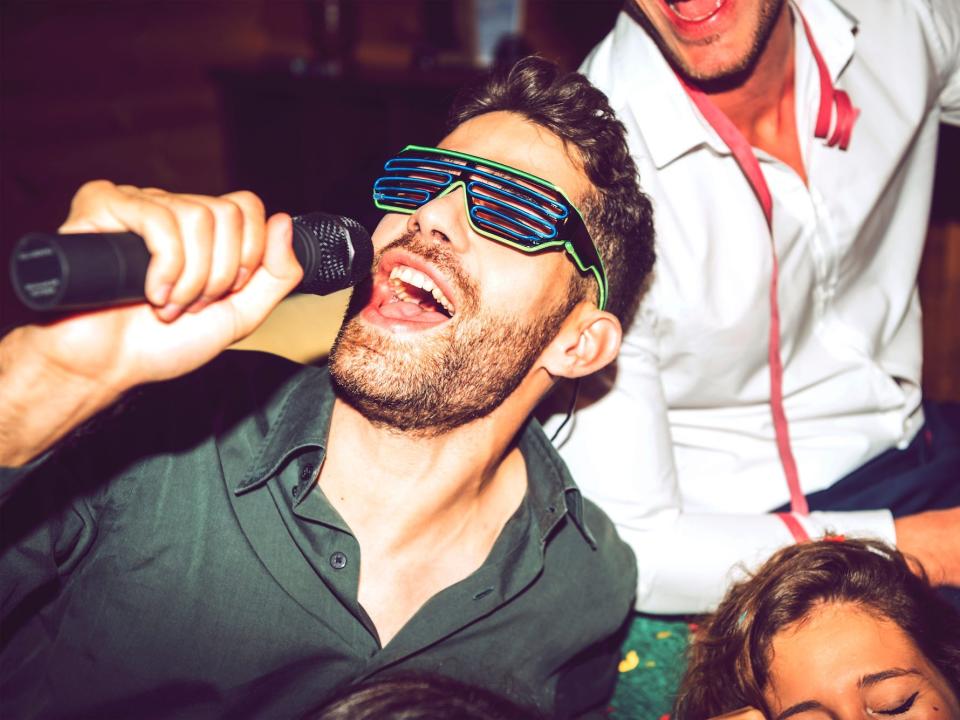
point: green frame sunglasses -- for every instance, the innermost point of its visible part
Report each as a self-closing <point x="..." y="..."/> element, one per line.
<point x="509" y="206"/>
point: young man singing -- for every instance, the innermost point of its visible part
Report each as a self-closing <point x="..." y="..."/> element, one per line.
<point x="245" y="536"/>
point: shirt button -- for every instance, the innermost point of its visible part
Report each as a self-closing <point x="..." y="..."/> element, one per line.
<point x="338" y="561"/>
<point x="296" y="491"/>
<point x="306" y="472"/>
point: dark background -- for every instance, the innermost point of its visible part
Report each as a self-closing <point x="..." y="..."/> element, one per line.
<point x="280" y="97"/>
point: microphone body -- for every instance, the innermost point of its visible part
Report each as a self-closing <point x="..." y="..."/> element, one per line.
<point x="81" y="271"/>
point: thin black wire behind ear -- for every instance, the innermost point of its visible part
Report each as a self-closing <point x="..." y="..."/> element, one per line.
<point x="571" y="408"/>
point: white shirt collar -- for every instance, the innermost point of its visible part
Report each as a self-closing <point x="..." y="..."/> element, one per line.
<point x="675" y="127"/>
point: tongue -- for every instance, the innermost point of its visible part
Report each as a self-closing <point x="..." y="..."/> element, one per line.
<point x="694" y="10"/>
<point x="411" y="312"/>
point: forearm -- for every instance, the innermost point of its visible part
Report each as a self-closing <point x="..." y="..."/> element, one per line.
<point x="687" y="562"/>
<point x="55" y="376"/>
<point x="41" y="402"/>
<point x="930" y="538"/>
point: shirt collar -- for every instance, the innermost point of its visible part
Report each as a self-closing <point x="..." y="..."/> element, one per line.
<point x="551" y="492"/>
<point x="302" y="421"/>
<point x="674" y="127"/>
<point x="834" y="30"/>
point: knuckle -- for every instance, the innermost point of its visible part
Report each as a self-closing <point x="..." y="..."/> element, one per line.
<point x="230" y="214"/>
<point x="197" y="216"/>
<point x="159" y="220"/>
<point x="88" y="191"/>
<point x="248" y="200"/>
<point x="160" y="229"/>
<point x="95" y="186"/>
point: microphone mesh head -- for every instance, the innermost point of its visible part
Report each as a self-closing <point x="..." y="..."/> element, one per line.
<point x="335" y="252"/>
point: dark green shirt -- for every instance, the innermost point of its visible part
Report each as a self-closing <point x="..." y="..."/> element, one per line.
<point x="177" y="559"/>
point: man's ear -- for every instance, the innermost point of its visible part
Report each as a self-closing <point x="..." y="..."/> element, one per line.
<point x="589" y="340"/>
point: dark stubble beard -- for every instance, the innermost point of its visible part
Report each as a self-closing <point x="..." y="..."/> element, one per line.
<point x="429" y="385"/>
<point x="724" y="78"/>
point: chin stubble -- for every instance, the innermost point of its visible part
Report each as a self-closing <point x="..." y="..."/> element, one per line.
<point x="721" y="78"/>
<point x="432" y="384"/>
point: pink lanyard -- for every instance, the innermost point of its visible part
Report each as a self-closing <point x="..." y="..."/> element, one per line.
<point x="743" y="154"/>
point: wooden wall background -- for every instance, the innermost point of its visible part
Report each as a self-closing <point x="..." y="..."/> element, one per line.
<point x="127" y="90"/>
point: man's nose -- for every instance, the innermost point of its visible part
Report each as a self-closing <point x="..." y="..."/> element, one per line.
<point x="443" y="219"/>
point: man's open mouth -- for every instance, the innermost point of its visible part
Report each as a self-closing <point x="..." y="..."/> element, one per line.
<point x="694" y="10"/>
<point x="409" y="285"/>
<point x="409" y="294"/>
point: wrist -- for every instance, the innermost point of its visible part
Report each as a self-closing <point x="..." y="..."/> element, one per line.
<point x="42" y="400"/>
<point x="915" y="542"/>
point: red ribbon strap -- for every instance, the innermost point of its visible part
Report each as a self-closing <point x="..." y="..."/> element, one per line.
<point x="830" y="97"/>
<point x="743" y="154"/>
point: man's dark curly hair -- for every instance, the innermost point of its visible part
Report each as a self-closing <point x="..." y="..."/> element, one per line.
<point x="618" y="215"/>
<point x="729" y="658"/>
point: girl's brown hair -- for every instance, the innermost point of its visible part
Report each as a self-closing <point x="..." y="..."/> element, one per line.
<point x="730" y="654"/>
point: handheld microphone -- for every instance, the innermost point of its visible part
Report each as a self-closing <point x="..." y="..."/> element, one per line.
<point x="52" y="272"/>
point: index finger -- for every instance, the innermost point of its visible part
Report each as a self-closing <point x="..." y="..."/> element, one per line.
<point x="101" y="206"/>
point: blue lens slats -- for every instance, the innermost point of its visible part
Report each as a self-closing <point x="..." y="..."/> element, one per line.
<point x="484" y="194"/>
<point x="493" y="219"/>
<point x="497" y="203"/>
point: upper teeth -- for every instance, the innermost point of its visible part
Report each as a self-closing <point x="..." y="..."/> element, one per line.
<point x="418" y="279"/>
<point x="672" y="4"/>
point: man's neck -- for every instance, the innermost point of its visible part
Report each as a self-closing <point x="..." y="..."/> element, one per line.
<point x="426" y="511"/>
<point x="408" y="482"/>
<point x="763" y="107"/>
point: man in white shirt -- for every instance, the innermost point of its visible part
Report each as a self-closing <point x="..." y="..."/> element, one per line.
<point x="757" y="374"/>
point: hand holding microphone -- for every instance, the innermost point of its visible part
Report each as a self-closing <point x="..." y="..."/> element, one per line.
<point x="215" y="265"/>
<point x="82" y="271"/>
<point x="213" y="269"/>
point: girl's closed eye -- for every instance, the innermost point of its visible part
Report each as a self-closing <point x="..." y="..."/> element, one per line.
<point x="899" y="709"/>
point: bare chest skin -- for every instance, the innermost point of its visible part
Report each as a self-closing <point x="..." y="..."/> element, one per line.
<point x="764" y="107"/>
<point x="415" y="542"/>
<point x="777" y="135"/>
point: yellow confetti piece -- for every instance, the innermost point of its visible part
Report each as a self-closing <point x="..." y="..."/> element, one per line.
<point x="630" y="662"/>
<point x="663" y="634"/>
<point x="650" y="664"/>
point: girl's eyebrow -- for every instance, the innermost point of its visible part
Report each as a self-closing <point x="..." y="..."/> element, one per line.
<point x="799" y="708"/>
<point x="874" y="678"/>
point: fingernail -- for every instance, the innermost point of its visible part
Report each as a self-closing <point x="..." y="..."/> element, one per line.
<point x="170" y="311"/>
<point x="242" y="275"/>
<point x="162" y="294"/>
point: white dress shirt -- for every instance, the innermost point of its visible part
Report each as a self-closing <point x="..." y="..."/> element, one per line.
<point x="676" y="441"/>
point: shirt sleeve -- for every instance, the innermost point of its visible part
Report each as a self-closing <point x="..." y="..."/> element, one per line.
<point x="691" y="559"/>
<point x="47" y="526"/>
<point x="620" y="453"/>
<point x="12" y="478"/>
